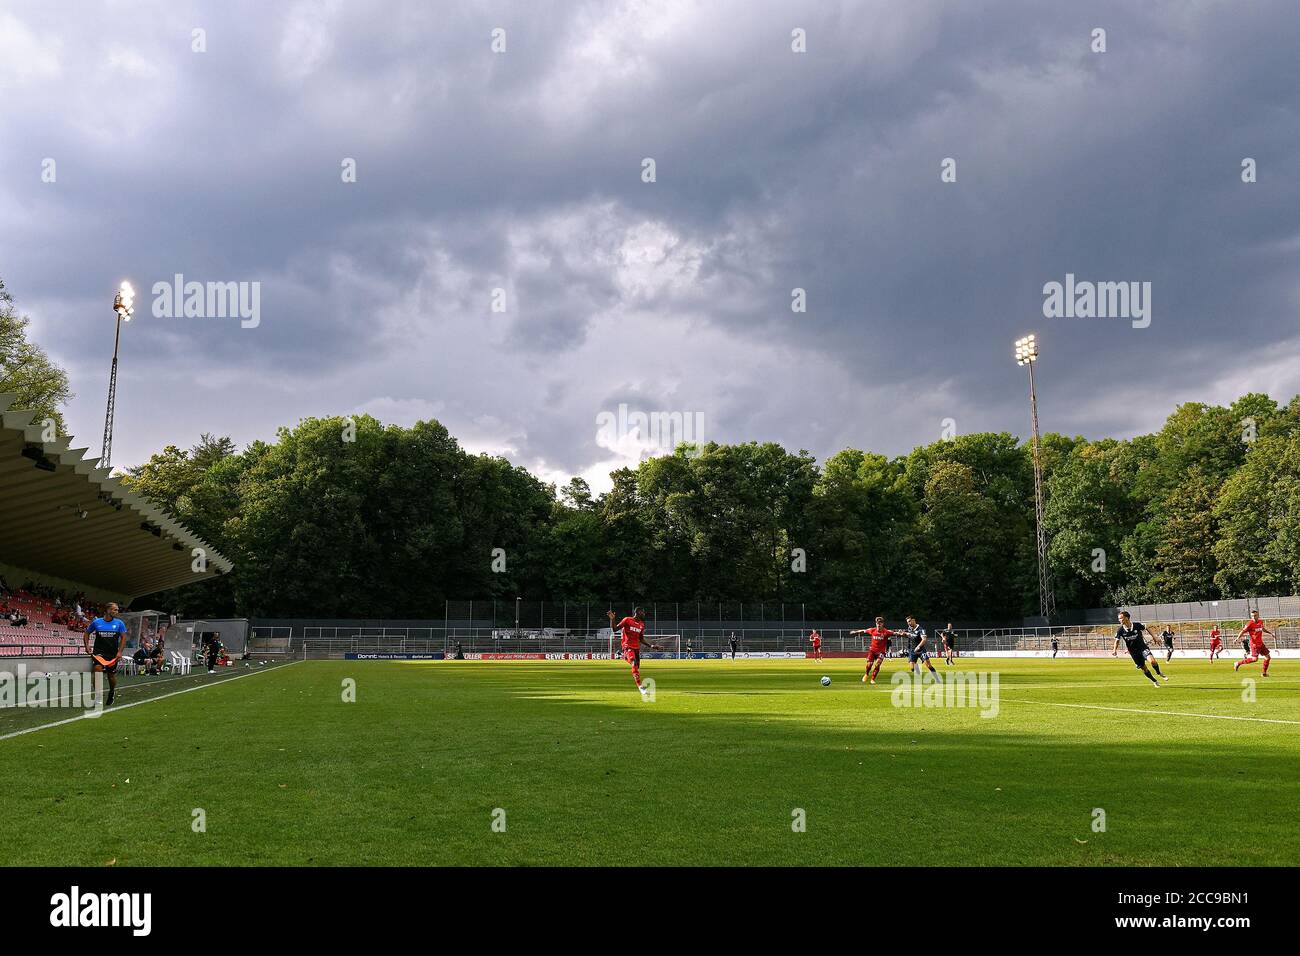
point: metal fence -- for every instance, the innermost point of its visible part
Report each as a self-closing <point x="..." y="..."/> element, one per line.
<point x="1229" y="609"/>
<point x="664" y="616"/>
<point x="335" y="641"/>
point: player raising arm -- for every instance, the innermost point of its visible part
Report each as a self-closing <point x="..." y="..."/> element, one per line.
<point x="1133" y="634"/>
<point x="1256" y="630"/>
<point x="633" y="629"/>
<point x="880" y="636"/>
<point x="109" y="634"/>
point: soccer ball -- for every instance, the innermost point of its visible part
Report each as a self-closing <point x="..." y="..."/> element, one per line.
<point x="826" y="682"/>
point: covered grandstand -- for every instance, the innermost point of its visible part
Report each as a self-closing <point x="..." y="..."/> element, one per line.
<point x="68" y="525"/>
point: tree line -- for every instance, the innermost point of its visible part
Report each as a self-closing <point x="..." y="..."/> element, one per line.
<point x="354" y="518"/>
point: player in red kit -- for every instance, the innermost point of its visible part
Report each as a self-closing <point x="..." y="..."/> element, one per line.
<point x="1216" y="643"/>
<point x="633" y="629"/>
<point x="876" y="654"/>
<point x="817" y="646"/>
<point x="1256" y="629"/>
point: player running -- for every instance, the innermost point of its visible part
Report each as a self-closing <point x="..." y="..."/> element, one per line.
<point x="1056" y="647"/>
<point x="1216" y="643"/>
<point x="816" y="640"/>
<point x="917" y="650"/>
<point x="109" y="635"/>
<point x="1133" y="634"/>
<point x="633" y="629"/>
<point x="879" y="648"/>
<point x="1256" y="630"/>
<point x="1167" y="636"/>
<point x="949" y="638"/>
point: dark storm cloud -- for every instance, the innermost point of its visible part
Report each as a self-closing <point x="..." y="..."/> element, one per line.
<point x="521" y="171"/>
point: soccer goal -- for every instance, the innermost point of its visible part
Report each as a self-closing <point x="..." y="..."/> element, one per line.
<point x="670" y="643"/>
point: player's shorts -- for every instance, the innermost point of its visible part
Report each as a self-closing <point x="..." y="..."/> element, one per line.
<point x="632" y="655"/>
<point x="1258" y="650"/>
<point x="1216" y="643"/>
<point x="95" y="664"/>
<point x="876" y="651"/>
<point x="922" y="655"/>
<point x="1140" y="654"/>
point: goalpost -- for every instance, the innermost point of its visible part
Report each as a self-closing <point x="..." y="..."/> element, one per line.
<point x="671" y="643"/>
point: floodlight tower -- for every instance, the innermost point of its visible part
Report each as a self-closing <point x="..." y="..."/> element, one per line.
<point x="123" y="307"/>
<point x="1027" y="354"/>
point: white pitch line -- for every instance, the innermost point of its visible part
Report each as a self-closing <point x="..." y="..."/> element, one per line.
<point x="1157" y="713"/>
<point x="175" y="693"/>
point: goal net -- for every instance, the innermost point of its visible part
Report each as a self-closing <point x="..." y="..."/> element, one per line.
<point x="669" y="644"/>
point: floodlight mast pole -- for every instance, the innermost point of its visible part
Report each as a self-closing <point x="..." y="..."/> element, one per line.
<point x="122" y="308"/>
<point x="106" y="455"/>
<point x="1027" y="354"/>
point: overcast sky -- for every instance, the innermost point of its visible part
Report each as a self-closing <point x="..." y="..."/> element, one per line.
<point x="774" y="170"/>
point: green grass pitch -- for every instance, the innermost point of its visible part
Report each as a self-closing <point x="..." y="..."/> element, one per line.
<point x="711" y="772"/>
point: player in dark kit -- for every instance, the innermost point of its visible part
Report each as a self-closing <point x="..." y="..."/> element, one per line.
<point x="109" y="636"/>
<point x="1133" y="634"/>
<point x="633" y="629"/>
<point x="949" y="638"/>
<point x="1056" y="646"/>
<point x="917" y="648"/>
<point x="1168" y="637"/>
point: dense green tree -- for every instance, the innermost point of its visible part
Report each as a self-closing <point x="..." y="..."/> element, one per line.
<point x="199" y="487"/>
<point x="351" y="518"/>
<point x="26" y="371"/>
<point x="1258" y="512"/>
<point x="866" y="539"/>
<point x="1089" y="513"/>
